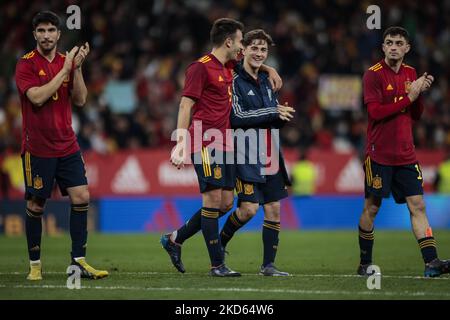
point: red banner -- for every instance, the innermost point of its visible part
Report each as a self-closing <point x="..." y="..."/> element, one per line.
<point x="144" y="173"/>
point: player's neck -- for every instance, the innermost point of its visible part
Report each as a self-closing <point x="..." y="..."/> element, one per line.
<point x="49" y="55"/>
<point x="394" y="64"/>
<point x="251" y="71"/>
<point x="220" y="55"/>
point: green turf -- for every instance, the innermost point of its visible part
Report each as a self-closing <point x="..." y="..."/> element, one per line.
<point x="322" y="263"/>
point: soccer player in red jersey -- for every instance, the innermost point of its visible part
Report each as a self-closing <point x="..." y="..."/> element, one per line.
<point x="392" y="97"/>
<point x="207" y="92"/>
<point x="47" y="82"/>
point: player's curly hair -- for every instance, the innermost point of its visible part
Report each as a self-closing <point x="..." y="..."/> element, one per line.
<point x="257" y="34"/>
<point x="395" y="31"/>
<point x="224" y="28"/>
<point x="46" y="17"/>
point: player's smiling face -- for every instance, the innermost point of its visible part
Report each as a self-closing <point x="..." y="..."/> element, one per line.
<point x="395" y="47"/>
<point x="256" y="53"/>
<point x="47" y="36"/>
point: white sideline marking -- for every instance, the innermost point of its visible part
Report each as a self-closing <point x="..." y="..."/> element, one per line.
<point x="314" y="292"/>
<point x="247" y="274"/>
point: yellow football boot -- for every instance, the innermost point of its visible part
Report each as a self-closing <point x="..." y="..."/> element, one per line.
<point x="87" y="271"/>
<point x="35" y="271"/>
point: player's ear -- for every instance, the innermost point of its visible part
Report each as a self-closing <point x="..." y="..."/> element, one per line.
<point x="34" y="35"/>
<point x="408" y="46"/>
<point x="228" y="42"/>
<point x="59" y="34"/>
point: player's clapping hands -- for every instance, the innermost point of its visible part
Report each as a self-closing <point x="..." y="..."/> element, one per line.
<point x="286" y="112"/>
<point x="81" y="55"/>
<point x="69" y="59"/>
<point x="427" y="81"/>
<point x="420" y="85"/>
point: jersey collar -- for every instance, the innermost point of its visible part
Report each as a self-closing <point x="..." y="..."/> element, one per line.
<point x="385" y="65"/>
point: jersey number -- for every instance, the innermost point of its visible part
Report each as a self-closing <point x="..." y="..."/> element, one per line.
<point x="398" y="99"/>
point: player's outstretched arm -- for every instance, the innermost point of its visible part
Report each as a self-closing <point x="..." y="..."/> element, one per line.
<point x="79" y="90"/>
<point x="39" y="95"/>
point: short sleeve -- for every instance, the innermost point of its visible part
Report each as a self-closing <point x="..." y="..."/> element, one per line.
<point x="195" y="81"/>
<point x="26" y="78"/>
<point x="372" y="88"/>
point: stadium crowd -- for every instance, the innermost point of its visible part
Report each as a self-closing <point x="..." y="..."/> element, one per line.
<point x="140" y="49"/>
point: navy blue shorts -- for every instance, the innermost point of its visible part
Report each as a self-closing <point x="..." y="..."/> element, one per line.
<point x="212" y="175"/>
<point x="40" y="174"/>
<point x="274" y="189"/>
<point x="402" y="181"/>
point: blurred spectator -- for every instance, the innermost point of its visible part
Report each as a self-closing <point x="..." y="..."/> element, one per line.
<point x="442" y="182"/>
<point x="304" y="176"/>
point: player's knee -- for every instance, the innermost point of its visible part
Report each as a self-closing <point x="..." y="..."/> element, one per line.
<point x="81" y="197"/>
<point x="272" y="215"/>
<point x="212" y="198"/>
<point x="35" y="207"/>
<point x="272" y="211"/>
<point x="225" y="207"/>
<point x="36" y="204"/>
<point x="248" y="210"/>
<point x="417" y="207"/>
<point x="372" y="210"/>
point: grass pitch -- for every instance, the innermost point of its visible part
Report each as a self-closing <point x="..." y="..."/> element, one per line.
<point x="322" y="265"/>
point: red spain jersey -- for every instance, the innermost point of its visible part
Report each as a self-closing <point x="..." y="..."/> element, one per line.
<point x="391" y="114"/>
<point x="209" y="84"/>
<point x="46" y="130"/>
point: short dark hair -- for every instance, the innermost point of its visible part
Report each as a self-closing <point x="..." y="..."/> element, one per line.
<point x="46" y="17"/>
<point x="224" y="28"/>
<point x="395" y="31"/>
<point x="257" y="34"/>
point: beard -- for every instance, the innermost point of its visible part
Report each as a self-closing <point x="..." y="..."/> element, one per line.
<point x="47" y="47"/>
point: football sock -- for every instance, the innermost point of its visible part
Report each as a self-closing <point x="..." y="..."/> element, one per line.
<point x="210" y="230"/>
<point x="270" y="234"/>
<point x="191" y="227"/>
<point x="232" y="225"/>
<point x="33" y="230"/>
<point x="428" y="247"/>
<point x="366" y="239"/>
<point x="78" y="229"/>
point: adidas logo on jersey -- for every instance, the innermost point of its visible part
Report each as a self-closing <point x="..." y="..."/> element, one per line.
<point x="389" y="87"/>
<point x="251" y="93"/>
<point x="220" y="79"/>
<point x="42" y="73"/>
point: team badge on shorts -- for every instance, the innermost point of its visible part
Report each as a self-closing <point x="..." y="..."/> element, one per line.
<point x="248" y="189"/>
<point x="217" y="172"/>
<point x="37" y="183"/>
<point x="377" y="183"/>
